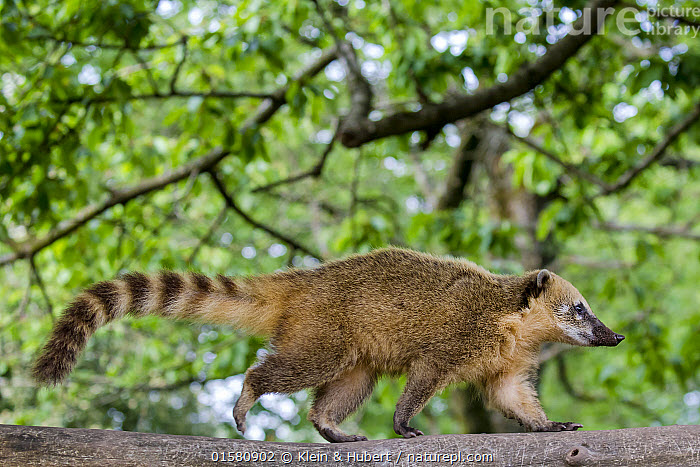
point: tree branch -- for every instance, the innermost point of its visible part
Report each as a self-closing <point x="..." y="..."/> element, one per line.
<point x="566" y="383"/>
<point x="258" y="225"/>
<point x="663" y="13"/>
<point x="77" y="43"/>
<point x="176" y="73"/>
<point x="478" y="141"/>
<point x="165" y="218"/>
<point x="649" y="446"/>
<point x="423" y="179"/>
<point x="147" y="70"/>
<point x="27" y="295"/>
<point x="570" y="168"/>
<point x="625" y="179"/>
<point x="573" y="392"/>
<point x="358" y="131"/>
<point x="325" y="206"/>
<point x="680" y="163"/>
<point x="314" y="172"/>
<point x="264" y="112"/>
<point x="663" y="232"/>
<point x="552" y="350"/>
<point x="42" y="287"/>
<point x="172" y="94"/>
<point x="681" y="19"/>
<point x="360" y="90"/>
<point x="277" y="99"/>
<point x="119" y="196"/>
<point x="592" y="263"/>
<point x="210" y="231"/>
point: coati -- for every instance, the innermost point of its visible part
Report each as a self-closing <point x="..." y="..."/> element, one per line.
<point x="340" y="326"/>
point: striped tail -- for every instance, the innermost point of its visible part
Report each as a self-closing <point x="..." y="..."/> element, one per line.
<point x="189" y="296"/>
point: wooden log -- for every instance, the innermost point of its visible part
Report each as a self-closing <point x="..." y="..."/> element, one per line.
<point x="655" y="446"/>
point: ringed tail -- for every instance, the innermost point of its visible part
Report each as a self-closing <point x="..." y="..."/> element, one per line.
<point x="190" y="296"/>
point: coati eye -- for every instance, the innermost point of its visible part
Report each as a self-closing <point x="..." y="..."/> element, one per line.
<point x="579" y="308"/>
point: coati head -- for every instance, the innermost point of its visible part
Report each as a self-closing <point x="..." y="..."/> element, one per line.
<point x="572" y="318"/>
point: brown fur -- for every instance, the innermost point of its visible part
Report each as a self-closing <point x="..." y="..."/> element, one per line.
<point x="338" y="327"/>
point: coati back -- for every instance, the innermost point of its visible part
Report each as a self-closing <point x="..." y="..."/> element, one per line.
<point x="340" y="326"/>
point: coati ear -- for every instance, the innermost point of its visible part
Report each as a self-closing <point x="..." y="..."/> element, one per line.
<point x="542" y="278"/>
<point x="535" y="284"/>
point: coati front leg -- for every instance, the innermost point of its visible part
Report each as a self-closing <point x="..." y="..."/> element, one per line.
<point x="515" y="397"/>
<point x="338" y="399"/>
<point x="422" y="382"/>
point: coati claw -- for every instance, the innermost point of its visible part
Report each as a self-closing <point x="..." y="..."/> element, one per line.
<point x="335" y="436"/>
<point x="407" y="431"/>
<point x="241" y="427"/>
<point x="240" y="422"/>
<point x="560" y="426"/>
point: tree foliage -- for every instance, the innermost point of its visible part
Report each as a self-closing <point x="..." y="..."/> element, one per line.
<point x="244" y="137"/>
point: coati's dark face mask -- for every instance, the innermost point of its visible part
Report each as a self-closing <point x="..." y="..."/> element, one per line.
<point x="582" y="327"/>
<point x="576" y="322"/>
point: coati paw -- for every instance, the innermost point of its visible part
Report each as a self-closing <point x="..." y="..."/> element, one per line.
<point x="336" y="436"/>
<point x="559" y="426"/>
<point x="407" y="431"/>
<point x="571" y="426"/>
<point x="240" y="421"/>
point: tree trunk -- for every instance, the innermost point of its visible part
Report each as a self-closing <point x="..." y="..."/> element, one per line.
<point x="480" y="142"/>
<point x="670" y="445"/>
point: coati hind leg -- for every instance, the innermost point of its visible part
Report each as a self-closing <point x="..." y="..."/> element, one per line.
<point x="422" y="383"/>
<point x="338" y="399"/>
<point x="287" y="372"/>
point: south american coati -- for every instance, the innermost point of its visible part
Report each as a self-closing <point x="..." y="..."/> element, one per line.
<point x="340" y="326"/>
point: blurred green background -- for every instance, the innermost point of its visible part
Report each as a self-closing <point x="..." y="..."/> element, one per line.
<point x="592" y="173"/>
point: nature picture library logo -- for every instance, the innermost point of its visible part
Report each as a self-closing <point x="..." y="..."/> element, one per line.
<point x="558" y="22"/>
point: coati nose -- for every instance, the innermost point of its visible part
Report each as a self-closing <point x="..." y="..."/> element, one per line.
<point x="619" y="338"/>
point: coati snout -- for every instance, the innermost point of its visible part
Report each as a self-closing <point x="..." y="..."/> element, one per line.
<point x="575" y="320"/>
<point x="604" y="336"/>
<point x="588" y="329"/>
<point x="599" y="335"/>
